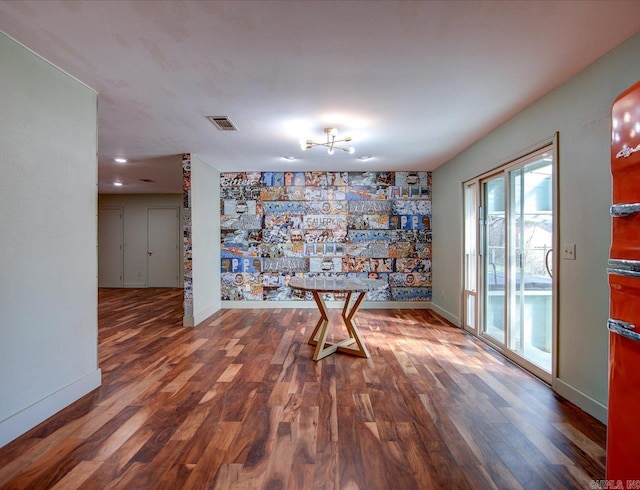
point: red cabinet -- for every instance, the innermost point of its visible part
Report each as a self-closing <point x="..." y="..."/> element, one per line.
<point x="623" y="428"/>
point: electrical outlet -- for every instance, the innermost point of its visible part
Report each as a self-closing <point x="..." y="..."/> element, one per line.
<point x="569" y="251"/>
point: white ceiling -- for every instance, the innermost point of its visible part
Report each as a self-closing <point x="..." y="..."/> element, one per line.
<point x="413" y="82"/>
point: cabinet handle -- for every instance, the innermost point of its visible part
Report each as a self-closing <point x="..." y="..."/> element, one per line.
<point x="621" y="267"/>
<point x="622" y="210"/>
<point x="621" y="324"/>
<point x="623" y="328"/>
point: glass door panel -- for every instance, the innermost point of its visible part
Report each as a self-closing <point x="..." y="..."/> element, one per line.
<point x="494" y="266"/>
<point x="470" y="256"/>
<point x="530" y="241"/>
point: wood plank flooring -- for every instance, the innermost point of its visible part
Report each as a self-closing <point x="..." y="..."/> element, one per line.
<point x="238" y="403"/>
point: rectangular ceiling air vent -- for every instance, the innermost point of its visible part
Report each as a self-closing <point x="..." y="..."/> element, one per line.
<point x="223" y="123"/>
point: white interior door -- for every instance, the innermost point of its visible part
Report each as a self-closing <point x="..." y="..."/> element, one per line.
<point x="162" y="247"/>
<point x="110" y="237"/>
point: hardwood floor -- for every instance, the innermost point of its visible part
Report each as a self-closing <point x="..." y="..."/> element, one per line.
<point x="238" y="403"/>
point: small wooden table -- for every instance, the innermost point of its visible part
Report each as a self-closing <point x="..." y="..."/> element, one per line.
<point x="319" y="285"/>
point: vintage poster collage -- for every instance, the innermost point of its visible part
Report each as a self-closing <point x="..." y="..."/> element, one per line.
<point x="186" y="235"/>
<point x="276" y="225"/>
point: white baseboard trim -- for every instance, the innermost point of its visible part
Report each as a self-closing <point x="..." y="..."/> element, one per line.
<point x="582" y="400"/>
<point x="202" y="315"/>
<point x="15" y="425"/>
<point x="444" y="313"/>
<point x="366" y="305"/>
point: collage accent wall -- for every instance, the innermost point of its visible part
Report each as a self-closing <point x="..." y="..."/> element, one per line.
<point x="186" y="235"/>
<point x="276" y="225"/>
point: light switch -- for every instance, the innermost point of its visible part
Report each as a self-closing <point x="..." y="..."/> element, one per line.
<point x="569" y="251"/>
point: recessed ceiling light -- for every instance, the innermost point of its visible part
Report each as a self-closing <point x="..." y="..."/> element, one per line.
<point x="364" y="158"/>
<point x="290" y="158"/>
<point x="118" y="184"/>
<point x="121" y="160"/>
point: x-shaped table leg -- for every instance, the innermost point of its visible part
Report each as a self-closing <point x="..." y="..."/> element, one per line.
<point x="321" y="330"/>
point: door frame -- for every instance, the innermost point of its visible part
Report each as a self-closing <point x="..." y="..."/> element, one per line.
<point x="504" y="167"/>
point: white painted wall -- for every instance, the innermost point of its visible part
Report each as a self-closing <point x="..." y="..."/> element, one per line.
<point x="48" y="261"/>
<point x="205" y="220"/>
<point x="135" y="231"/>
<point x="580" y="111"/>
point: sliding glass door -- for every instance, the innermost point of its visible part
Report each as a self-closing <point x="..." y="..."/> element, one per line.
<point x="509" y="236"/>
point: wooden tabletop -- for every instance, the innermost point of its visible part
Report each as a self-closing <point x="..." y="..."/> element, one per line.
<point x="338" y="284"/>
